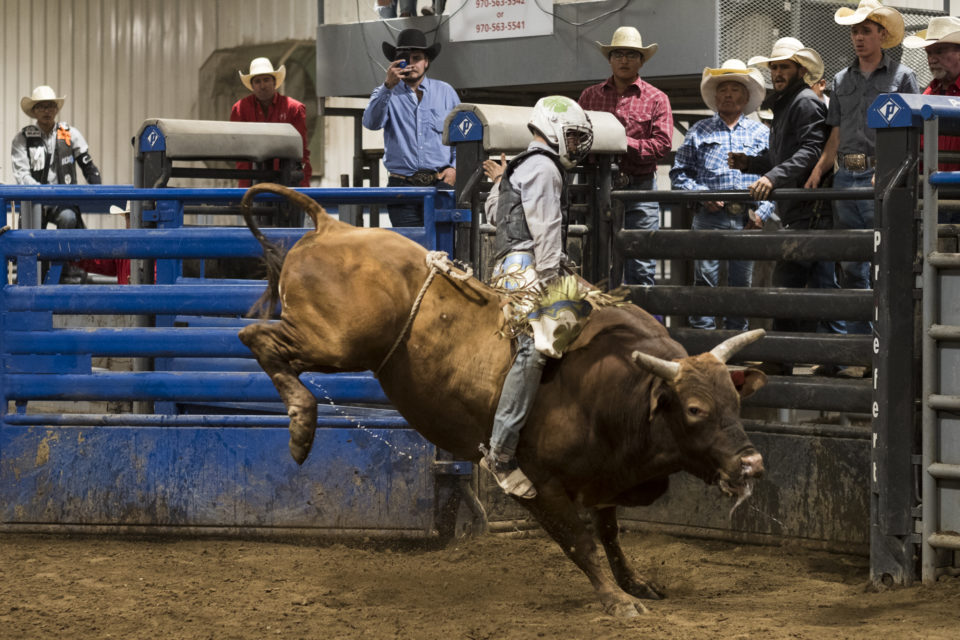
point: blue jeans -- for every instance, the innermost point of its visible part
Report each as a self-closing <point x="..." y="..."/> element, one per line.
<point x="812" y="275"/>
<point x="706" y="272"/>
<point x="646" y="216"/>
<point x="406" y="6"/>
<point x="854" y="214"/>
<point x="516" y="397"/>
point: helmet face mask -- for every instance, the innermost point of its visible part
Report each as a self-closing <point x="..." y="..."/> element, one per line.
<point x="565" y="126"/>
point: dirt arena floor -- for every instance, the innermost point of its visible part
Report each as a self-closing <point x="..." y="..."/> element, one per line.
<point x="487" y="588"/>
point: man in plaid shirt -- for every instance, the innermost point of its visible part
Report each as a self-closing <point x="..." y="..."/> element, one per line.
<point x="645" y="113"/>
<point x="701" y="164"/>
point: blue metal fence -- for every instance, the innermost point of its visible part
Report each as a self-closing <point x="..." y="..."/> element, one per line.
<point x="230" y="465"/>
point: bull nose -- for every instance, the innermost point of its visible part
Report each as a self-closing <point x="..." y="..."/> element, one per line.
<point x="751" y="466"/>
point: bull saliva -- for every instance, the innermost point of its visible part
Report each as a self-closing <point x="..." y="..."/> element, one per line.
<point x="624" y="409"/>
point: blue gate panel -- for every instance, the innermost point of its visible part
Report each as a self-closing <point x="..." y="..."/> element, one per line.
<point x="167" y="476"/>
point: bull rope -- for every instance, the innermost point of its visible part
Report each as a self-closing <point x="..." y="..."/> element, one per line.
<point x="437" y="261"/>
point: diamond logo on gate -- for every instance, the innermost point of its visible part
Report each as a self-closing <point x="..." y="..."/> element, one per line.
<point x="464" y="127"/>
<point x="152" y="137"/>
<point x="888" y="110"/>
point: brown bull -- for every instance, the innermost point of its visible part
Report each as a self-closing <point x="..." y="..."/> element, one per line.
<point x="624" y="409"/>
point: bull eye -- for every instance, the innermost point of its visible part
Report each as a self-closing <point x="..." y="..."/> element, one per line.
<point x="694" y="411"/>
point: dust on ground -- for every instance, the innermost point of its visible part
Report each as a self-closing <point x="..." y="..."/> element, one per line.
<point x="491" y="587"/>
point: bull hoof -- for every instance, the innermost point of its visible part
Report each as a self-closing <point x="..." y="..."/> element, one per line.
<point x="646" y="590"/>
<point x="626" y="609"/>
<point x="299" y="452"/>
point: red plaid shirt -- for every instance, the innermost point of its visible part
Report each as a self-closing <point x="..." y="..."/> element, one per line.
<point x="644" y="112"/>
<point x="283" y="109"/>
<point x="945" y="143"/>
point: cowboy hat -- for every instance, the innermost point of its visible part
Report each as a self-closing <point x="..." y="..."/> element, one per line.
<point x="732" y="70"/>
<point x="793" y="49"/>
<point x="627" y="38"/>
<point x="43" y="93"/>
<point x="263" y="67"/>
<point x="411" y="39"/>
<point x="944" y="29"/>
<point x="887" y="17"/>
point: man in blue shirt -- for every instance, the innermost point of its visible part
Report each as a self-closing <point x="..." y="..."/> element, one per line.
<point x="411" y="109"/>
<point x="873" y="28"/>
<point x="731" y="92"/>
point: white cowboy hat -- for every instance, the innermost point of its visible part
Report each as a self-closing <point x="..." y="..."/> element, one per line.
<point x="887" y="17"/>
<point x="793" y="49"/>
<point x="43" y="93"/>
<point x="627" y="38"/>
<point x="941" y="29"/>
<point x="732" y="70"/>
<point x="263" y="67"/>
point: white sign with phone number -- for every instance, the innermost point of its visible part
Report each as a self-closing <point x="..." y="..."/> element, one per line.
<point x="489" y="19"/>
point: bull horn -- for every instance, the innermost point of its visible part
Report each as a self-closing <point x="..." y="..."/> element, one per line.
<point x="727" y="348"/>
<point x="666" y="369"/>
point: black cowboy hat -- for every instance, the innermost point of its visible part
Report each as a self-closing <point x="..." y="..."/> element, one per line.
<point x="411" y="39"/>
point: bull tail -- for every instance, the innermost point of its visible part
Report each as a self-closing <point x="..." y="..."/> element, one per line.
<point x="273" y="254"/>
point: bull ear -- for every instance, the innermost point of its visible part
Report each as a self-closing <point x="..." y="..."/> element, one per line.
<point x="748" y="381"/>
<point x="658" y="392"/>
<point x="666" y="369"/>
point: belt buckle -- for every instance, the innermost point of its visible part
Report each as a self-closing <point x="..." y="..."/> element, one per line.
<point x="620" y="180"/>
<point x="735" y="208"/>
<point x="855" y="161"/>
<point x="423" y="178"/>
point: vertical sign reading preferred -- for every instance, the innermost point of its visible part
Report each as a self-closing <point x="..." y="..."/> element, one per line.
<point x="489" y="19"/>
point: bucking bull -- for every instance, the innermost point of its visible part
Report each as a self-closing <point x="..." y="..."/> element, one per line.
<point x="621" y="411"/>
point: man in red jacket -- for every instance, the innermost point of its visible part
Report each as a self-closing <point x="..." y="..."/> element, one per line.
<point x="266" y="105"/>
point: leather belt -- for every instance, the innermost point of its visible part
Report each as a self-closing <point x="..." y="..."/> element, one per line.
<point x="730" y="208"/>
<point x="421" y="178"/>
<point x="856" y="161"/>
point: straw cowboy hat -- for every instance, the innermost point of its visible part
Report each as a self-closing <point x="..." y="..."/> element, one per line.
<point x="628" y="38"/>
<point x="944" y="29"/>
<point x="793" y="49"/>
<point x="732" y="70"/>
<point x="887" y="17"/>
<point x="411" y="39"/>
<point x="43" y="93"/>
<point x="263" y="67"/>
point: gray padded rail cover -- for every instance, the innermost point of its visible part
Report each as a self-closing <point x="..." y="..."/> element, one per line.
<point x="505" y="128"/>
<point x="218" y="139"/>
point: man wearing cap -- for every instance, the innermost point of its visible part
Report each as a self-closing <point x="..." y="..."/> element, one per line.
<point x="941" y="39"/>
<point x="873" y="28"/>
<point x="731" y="92"/>
<point x="49" y="151"/>
<point x="645" y="113"/>
<point x="797" y="135"/>
<point x="411" y="109"/>
<point x="266" y="104"/>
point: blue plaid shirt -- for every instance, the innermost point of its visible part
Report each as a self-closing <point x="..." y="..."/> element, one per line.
<point x="701" y="161"/>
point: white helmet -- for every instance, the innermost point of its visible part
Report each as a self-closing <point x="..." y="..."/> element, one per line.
<point x="565" y="126"/>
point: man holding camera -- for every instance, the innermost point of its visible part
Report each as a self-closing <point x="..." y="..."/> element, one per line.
<point x="411" y="109"/>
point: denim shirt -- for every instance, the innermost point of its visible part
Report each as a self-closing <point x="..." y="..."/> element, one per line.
<point x="412" y="129"/>
<point x="852" y="94"/>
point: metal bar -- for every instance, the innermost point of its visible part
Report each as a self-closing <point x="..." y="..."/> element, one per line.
<point x="815" y="430"/>
<point x="939" y="402"/>
<point x="942" y="260"/>
<point x="158" y="298"/>
<point x="813" y="392"/>
<point x="943" y="471"/>
<point x="944" y="541"/>
<point x="78" y="193"/>
<point x="853" y="193"/>
<point x="182" y="387"/>
<point x="929" y="358"/>
<point x="821" y="348"/>
<point x="131" y="341"/>
<point x="215" y="421"/>
<point x="853" y="245"/>
<point x="944" y="332"/>
<point x="808" y="304"/>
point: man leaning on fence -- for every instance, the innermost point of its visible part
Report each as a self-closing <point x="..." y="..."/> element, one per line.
<point x="731" y="92"/>
<point x="797" y="135"/>
<point x="873" y="28"/>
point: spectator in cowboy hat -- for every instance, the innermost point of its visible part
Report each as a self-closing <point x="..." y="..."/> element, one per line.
<point x="731" y="92"/>
<point x="266" y="104"/>
<point x="49" y="151"/>
<point x="645" y="112"/>
<point x="411" y="109"/>
<point x="941" y="39"/>
<point x="873" y="28"/>
<point x="797" y="135"/>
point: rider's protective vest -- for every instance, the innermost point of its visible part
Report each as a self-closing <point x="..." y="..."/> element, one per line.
<point x="512" y="226"/>
<point x="63" y="155"/>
